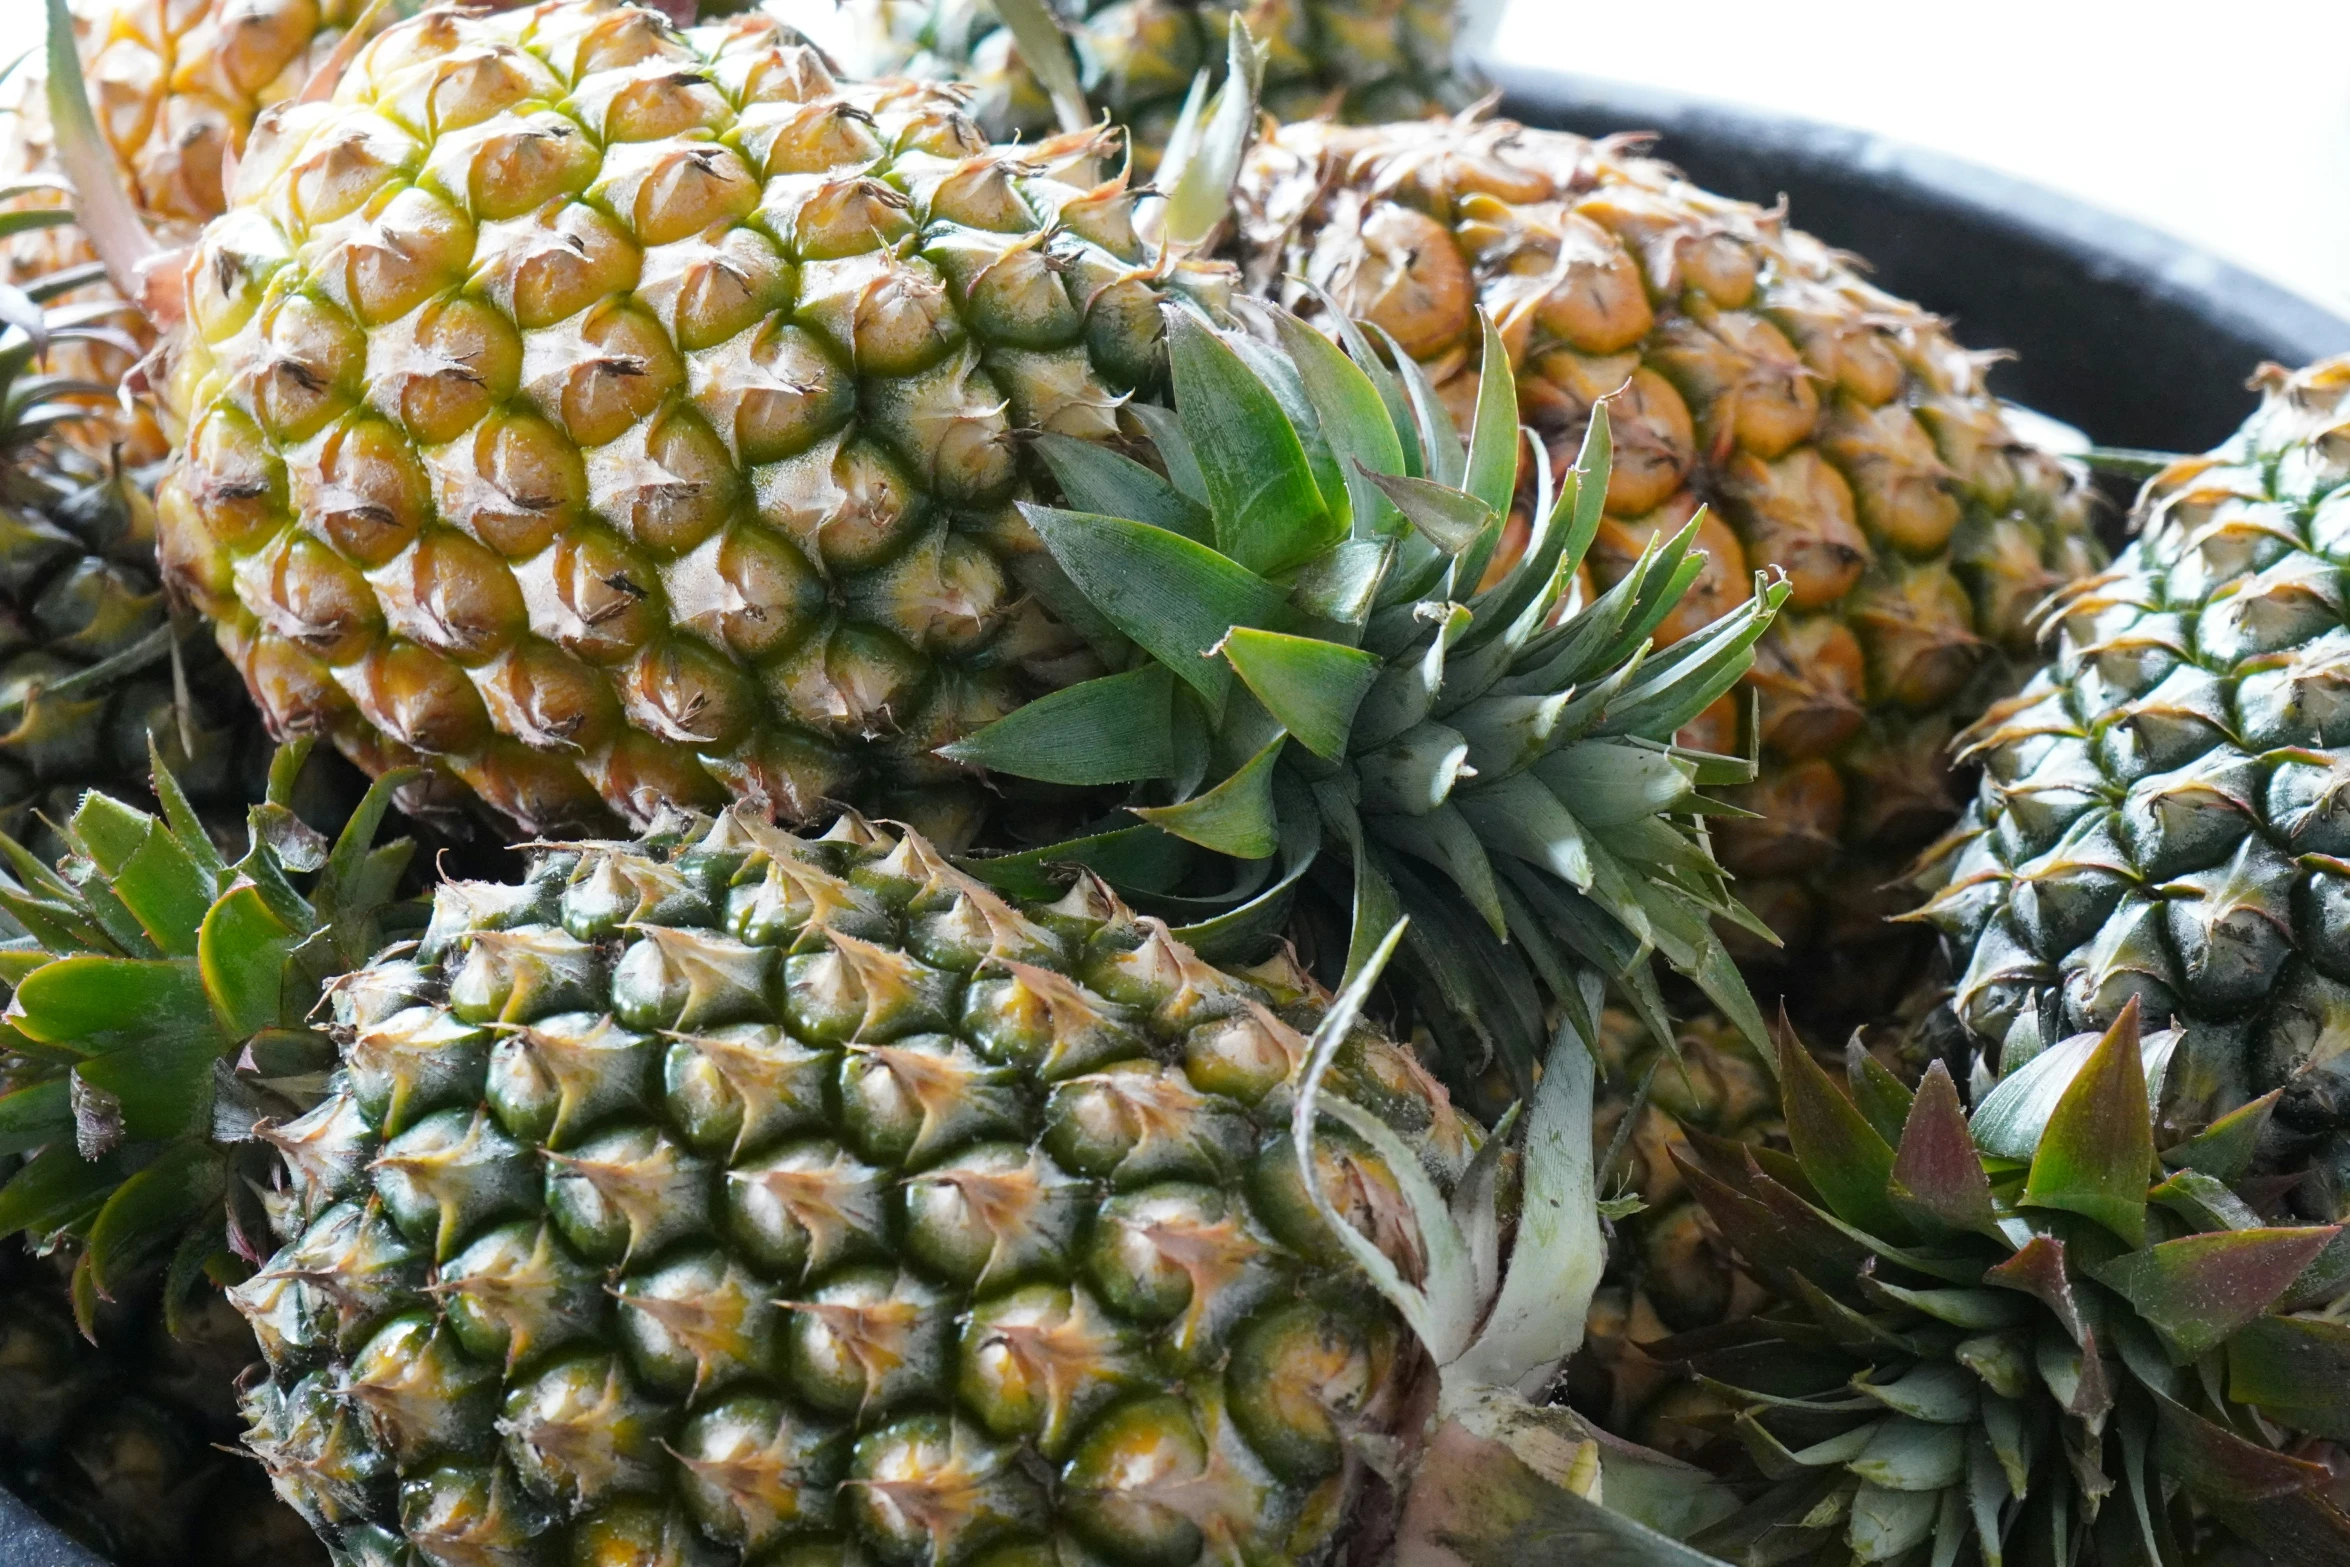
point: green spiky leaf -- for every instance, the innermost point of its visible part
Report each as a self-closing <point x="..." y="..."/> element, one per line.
<point x="1311" y="686"/>
<point x="2098" y="1152"/>
<point x="2199" y="1289"/>
<point x="1236" y="817"/>
<point x="1112" y="729"/>
<point x="1267" y="507"/>
<point x="1176" y="598"/>
<point x="1840" y="1151"/>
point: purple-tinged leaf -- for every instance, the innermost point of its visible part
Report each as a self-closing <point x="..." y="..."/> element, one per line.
<point x="2197" y="1290"/>
<point x="2075" y="1376"/>
<point x="2204" y="1202"/>
<point x="2216" y="1463"/>
<point x="1847" y="1327"/>
<point x="2297" y="1370"/>
<point x="2098" y="1152"/>
<point x="1938" y="1177"/>
<point x="2038" y="1270"/>
<point x="1840" y="1152"/>
<point x="2224" y="1148"/>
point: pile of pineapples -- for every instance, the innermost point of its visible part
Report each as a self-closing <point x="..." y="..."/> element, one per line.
<point x="1145" y="821"/>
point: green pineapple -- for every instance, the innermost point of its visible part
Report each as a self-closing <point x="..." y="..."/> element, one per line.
<point x="1137" y="59"/>
<point x="2025" y="1336"/>
<point x="2161" y="816"/>
<point x="92" y="669"/>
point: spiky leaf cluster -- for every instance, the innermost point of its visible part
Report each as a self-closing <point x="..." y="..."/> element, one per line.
<point x="161" y="1005"/>
<point x="2024" y="1337"/>
<point x="1312" y="653"/>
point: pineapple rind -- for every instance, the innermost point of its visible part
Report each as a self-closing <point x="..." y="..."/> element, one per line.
<point x="904" y="1220"/>
<point x="2160" y="813"/>
<point x="606" y="417"/>
<point x="1364" y="59"/>
<point x="1832" y="429"/>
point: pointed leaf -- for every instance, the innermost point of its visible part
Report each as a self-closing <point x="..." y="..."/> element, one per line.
<point x="1877" y="1093"/>
<point x="241" y="951"/>
<point x="56" y="1187"/>
<point x="1443" y="459"/>
<point x="1450" y="519"/>
<point x="1537" y="1321"/>
<point x="1267" y="508"/>
<point x="1937" y="1175"/>
<point x="2038" y="1269"/>
<point x="1354" y="421"/>
<point x="2220" y="1465"/>
<point x="151" y="1211"/>
<point x="2098" y="1153"/>
<point x="1492" y="472"/>
<point x="99" y="1003"/>
<point x="1174" y="597"/>
<point x="1236" y="817"/>
<point x="2200" y="1288"/>
<point x="1111" y="484"/>
<point x="1840" y="1152"/>
<point x="2295" y="1369"/>
<point x="1044" y="49"/>
<point x="1310" y="685"/>
<point x="2224" y="1149"/>
<point x="1113" y="729"/>
<point x="1199" y="194"/>
<point x="102" y="201"/>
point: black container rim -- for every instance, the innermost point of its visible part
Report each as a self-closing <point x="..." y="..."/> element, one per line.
<point x="2161" y="313"/>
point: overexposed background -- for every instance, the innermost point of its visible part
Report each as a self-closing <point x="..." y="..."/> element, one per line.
<point x="2224" y="122"/>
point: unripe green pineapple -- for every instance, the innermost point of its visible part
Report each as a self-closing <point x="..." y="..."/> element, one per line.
<point x="1365" y="59"/>
<point x="607" y="416"/>
<point x="733" y="1196"/>
<point x="2162" y="812"/>
<point x="92" y="671"/>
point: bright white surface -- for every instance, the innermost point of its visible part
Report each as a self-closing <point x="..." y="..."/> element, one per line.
<point x="2227" y="124"/>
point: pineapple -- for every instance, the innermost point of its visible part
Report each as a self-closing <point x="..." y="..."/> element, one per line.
<point x="92" y="669"/>
<point x="176" y="88"/>
<point x="729" y="1195"/>
<point x="1670" y="1269"/>
<point x="611" y="417"/>
<point x="1365" y="59"/>
<point x="1998" y="1343"/>
<point x="1837" y="432"/>
<point x="2160" y="813"/>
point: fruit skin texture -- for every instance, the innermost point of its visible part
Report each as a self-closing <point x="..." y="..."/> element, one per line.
<point x="604" y="416"/>
<point x="1366" y="59"/>
<point x="1836" y="431"/>
<point x="87" y="651"/>
<point x="747" y="1193"/>
<point x="175" y="88"/>
<point x="2161" y="813"/>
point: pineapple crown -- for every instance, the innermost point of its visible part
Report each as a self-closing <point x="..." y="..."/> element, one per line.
<point x="1997" y="1324"/>
<point x="161" y="1007"/>
<point x="1321" y="643"/>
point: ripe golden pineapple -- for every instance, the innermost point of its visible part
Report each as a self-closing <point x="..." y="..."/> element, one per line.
<point x="1833" y="430"/>
<point x="737" y="1196"/>
<point x="616" y="417"/>
<point x="1364" y="59"/>
<point x="175" y="87"/>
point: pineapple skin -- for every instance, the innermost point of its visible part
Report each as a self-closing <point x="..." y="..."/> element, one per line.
<point x="1833" y="431"/>
<point x="604" y="417"/>
<point x="754" y="1198"/>
<point x="2161" y="811"/>
<point x="1365" y="60"/>
<point x="176" y="88"/>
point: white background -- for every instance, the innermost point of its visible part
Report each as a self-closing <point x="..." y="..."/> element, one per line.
<point x="2225" y="122"/>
